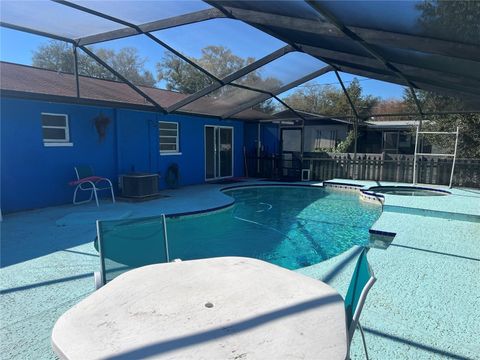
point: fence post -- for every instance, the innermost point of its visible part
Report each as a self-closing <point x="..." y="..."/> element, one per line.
<point x="401" y="160"/>
<point x="382" y="164"/>
<point x="364" y="166"/>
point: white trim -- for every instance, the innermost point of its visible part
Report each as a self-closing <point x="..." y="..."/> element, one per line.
<point x="433" y="154"/>
<point x="170" y="153"/>
<point x="307" y="177"/>
<point x="438" y="132"/>
<point x="415" y="154"/>
<point x="57" y="144"/>
<point x="217" y="152"/>
<point x="66" y="128"/>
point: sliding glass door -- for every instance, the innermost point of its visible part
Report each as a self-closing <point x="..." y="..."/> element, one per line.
<point x="218" y="152"/>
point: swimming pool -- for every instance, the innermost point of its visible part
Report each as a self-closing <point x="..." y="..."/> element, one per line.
<point x="292" y="227"/>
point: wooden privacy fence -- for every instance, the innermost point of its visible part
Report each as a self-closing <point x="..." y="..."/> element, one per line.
<point x="398" y="168"/>
<point x="377" y="167"/>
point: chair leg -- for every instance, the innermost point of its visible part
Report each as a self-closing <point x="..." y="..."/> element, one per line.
<point x="75" y="202"/>
<point x="75" y="196"/>
<point x="363" y="339"/>
<point x="111" y="188"/>
<point x="96" y="197"/>
<point x="113" y="195"/>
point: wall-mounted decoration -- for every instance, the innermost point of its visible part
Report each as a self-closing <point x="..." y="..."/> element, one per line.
<point x="101" y="123"/>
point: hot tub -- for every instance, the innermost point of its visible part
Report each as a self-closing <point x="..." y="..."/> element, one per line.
<point x="407" y="191"/>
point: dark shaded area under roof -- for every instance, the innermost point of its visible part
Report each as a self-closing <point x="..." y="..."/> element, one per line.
<point x="429" y="45"/>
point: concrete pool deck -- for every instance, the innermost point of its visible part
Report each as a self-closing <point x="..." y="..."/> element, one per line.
<point x="423" y="306"/>
<point x="425" y="303"/>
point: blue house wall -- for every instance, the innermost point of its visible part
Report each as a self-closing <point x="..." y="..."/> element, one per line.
<point x="268" y="138"/>
<point x="35" y="176"/>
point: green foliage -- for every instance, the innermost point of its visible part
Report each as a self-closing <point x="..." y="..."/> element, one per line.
<point x="456" y="20"/>
<point x="181" y="76"/>
<point x="58" y="55"/>
<point x="219" y="61"/>
<point x="347" y="144"/>
<point x="330" y="100"/>
<point x="469" y="124"/>
<point x="342" y="147"/>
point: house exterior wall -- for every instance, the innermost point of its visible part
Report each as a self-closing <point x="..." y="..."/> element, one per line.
<point x="319" y="136"/>
<point x="269" y="138"/>
<point x="36" y="176"/>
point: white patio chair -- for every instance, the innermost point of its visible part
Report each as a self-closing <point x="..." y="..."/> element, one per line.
<point x="87" y="181"/>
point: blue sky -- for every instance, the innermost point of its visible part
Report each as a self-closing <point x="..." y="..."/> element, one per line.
<point x="243" y="40"/>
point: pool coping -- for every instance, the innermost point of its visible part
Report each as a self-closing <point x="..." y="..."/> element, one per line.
<point x="232" y="201"/>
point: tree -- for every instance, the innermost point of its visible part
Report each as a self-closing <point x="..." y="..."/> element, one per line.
<point x="389" y="106"/>
<point x="181" y="76"/>
<point x="185" y="78"/>
<point x="456" y="20"/>
<point x="330" y="100"/>
<point x="58" y="55"/>
<point x="220" y="62"/>
<point x="469" y="124"/>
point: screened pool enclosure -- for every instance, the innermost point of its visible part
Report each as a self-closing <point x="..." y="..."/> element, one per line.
<point x="428" y="45"/>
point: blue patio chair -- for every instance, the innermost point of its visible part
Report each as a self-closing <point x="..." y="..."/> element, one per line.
<point x="87" y="181"/>
<point x="361" y="283"/>
<point x="130" y="243"/>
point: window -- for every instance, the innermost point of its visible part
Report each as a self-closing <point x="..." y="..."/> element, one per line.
<point x="168" y="137"/>
<point x="318" y="140"/>
<point x="292" y="140"/>
<point x="390" y="142"/>
<point x="333" y="138"/>
<point x="55" y="129"/>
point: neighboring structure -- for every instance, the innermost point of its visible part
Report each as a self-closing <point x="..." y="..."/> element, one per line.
<point x="46" y="130"/>
<point x="323" y="133"/>
<point x="391" y="137"/>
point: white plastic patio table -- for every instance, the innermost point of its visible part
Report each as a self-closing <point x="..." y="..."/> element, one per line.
<point x="218" y="308"/>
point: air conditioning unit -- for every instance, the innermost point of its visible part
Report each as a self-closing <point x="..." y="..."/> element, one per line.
<point x="139" y="185"/>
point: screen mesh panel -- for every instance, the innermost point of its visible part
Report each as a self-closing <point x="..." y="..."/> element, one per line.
<point x="53" y="18"/>
<point x="141" y="12"/>
<point x="131" y="243"/>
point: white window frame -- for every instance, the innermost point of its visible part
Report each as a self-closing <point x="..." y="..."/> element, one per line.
<point x="177" y="149"/>
<point x="57" y="142"/>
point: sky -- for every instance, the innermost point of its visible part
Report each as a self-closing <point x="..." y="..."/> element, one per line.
<point x="242" y="39"/>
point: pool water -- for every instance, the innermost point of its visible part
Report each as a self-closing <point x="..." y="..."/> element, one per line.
<point x="292" y="227"/>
